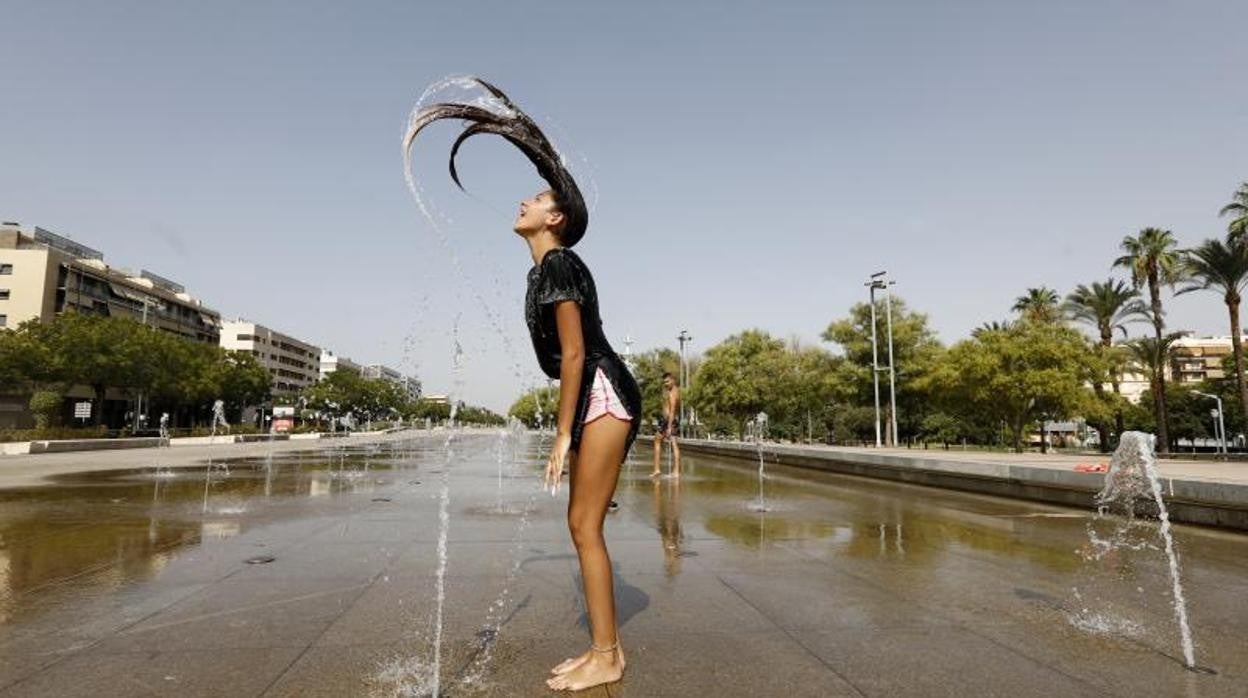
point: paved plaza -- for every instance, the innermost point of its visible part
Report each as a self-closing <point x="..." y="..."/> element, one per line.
<point x="137" y="581"/>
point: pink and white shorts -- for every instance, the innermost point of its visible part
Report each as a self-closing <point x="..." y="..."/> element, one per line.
<point x="603" y="400"/>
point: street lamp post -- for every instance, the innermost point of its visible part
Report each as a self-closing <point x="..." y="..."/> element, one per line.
<point x="892" y="373"/>
<point x="684" y="337"/>
<point x="1220" y="427"/>
<point x="878" y="281"/>
<point x="872" y="284"/>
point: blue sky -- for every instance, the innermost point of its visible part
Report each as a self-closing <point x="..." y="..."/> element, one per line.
<point x="753" y="162"/>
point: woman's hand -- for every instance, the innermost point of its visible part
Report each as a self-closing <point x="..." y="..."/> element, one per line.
<point x="554" y="466"/>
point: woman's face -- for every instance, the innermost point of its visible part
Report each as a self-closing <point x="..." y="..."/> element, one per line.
<point x="537" y="213"/>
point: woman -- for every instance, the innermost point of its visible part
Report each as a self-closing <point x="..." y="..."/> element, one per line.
<point x="599" y="402"/>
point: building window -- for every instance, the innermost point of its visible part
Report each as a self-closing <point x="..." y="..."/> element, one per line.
<point x="244" y="337"/>
<point x="6" y="269"/>
<point x="4" y="294"/>
<point x="4" y="320"/>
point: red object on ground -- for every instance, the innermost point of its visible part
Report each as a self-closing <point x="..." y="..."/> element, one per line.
<point x="1092" y="468"/>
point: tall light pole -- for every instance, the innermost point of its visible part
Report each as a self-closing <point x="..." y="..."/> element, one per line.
<point x="1221" y="425"/>
<point x="892" y="371"/>
<point x="872" y="284"/>
<point x="684" y="337"/>
<point x="878" y="280"/>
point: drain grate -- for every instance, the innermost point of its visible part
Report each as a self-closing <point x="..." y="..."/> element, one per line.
<point x="260" y="560"/>
<point x="381" y="499"/>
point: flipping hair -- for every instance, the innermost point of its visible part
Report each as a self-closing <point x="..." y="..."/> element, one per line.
<point x="520" y="131"/>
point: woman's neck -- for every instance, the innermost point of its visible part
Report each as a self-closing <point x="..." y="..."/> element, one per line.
<point x="541" y="243"/>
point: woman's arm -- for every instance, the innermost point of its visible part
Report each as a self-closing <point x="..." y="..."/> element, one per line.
<point x="572" y="362"/>
<point x="571" y="373"/>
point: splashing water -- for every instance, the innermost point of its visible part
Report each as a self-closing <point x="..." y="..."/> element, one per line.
<point x="759" y="427"/>
<point x="436" y="221"/>
<point x="1131" y="485"/>
<point x="444" y="501"/>
<point x="492" y="627"/>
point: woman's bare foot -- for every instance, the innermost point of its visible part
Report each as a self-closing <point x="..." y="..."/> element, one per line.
<point x="595" y="669"/>
<point x="656" y="473"/>
<point x="569" y="664"/>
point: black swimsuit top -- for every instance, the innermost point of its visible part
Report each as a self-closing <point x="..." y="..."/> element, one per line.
<point x="562" y="276"/>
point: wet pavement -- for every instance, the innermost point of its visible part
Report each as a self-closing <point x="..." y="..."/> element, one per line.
<point x="307" y="573"/>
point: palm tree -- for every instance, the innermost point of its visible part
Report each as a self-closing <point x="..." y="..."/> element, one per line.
<point x="1038" y="305"/>
<point x="1107" y="307"/>
<point x="1223" y="267"/>
<point x="1153" y="258"/>
<point x="994" y="326"/>
<point x="1238" y="211"/>
<point x="1151" y="356"/>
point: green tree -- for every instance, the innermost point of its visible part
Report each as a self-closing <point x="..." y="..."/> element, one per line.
<point x="915" y="353"/>
<point x="535" y="407"/>
<point x="1189" y="413"/>
<point x="1222" y="267"/>
<point x="1238" y="212"/>
<point x="424" y="408"/>
<point x="993" y="326"/>
<point x="815" y="388"/>
<point x="469" y="414"/>
<point x="1153" y="259"/>
<point x="853" y="423"/>
<point x="239" y="378"/>
<point x="941" y="427"/>
<point x="753" y="372"/>
<point x="1038" y="305"/>
<point x="1107" y="307"/>
<point x="736" y="380"/>
<point x="338" y="395"/>
<point x="99" y="352"/>
<point x="377" y="397"/>
<point x="25" y="363"/>
<point x="1151" y="356"/>
<point x="46" y="406"/>
<point x="1030" y="373"/>
<point x="648" y="368"/>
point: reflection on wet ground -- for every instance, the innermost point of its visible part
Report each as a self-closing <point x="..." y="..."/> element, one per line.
<point x="100" y="531"/>
<point x="844" y="586"/>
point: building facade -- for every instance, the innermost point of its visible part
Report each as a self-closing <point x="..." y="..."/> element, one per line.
<point x="43" y="274"/>
<point x="1192" y="360"/>
<point x="293" y="364"/>
<point x="331" y="362"/>
<point x="409" y="384"/>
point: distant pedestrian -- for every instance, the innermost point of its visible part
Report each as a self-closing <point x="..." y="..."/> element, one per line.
<point x="669" y="427"/>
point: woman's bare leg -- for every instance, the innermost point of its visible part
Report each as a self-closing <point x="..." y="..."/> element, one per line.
<point x="658" y="455"/>
<point x="595" y="473"/>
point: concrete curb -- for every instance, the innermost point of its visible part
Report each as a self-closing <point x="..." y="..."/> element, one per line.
<point x="1198" y="501"/>
<point x="20" y="448"/>
<point x="68" y="445"/>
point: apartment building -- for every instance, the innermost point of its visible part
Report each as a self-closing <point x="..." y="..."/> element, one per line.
<point x="409" y="384"/>
<point x="1192" y="360"/>
<point x="43" y="274"/>
<point x="292" y="363"/>
<point x="331" y="362"/>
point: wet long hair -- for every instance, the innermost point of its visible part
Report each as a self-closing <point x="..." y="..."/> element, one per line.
<point x="516" y="126"/>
